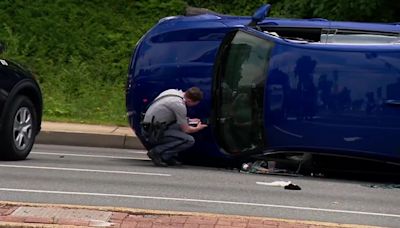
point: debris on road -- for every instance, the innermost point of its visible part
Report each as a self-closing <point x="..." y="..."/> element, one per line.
<point x="286" y="184"/>
<point x="275" y="183"/>
<point x="386" y="186"/>
<point x="261" y="167"/>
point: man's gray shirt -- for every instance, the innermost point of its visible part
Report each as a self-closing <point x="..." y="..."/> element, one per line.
<point x="168" y="109"/>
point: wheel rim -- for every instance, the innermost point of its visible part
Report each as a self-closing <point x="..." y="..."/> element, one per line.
<point x="22" y="128"/>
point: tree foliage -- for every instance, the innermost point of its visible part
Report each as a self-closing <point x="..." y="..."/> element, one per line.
<point x="355" y="10"/>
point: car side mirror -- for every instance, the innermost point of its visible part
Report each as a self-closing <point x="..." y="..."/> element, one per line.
<point x="260" y="14"/>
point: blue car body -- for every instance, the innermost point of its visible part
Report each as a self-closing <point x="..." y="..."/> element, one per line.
<point x="276" y="85"/>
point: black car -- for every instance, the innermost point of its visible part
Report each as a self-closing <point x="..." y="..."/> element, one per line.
<point x="20" y="111"/>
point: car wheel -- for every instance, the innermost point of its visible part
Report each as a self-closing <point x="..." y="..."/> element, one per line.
<point x="19" y="129"/>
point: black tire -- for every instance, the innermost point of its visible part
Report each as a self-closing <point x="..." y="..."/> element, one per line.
<point x="19" y="129"/>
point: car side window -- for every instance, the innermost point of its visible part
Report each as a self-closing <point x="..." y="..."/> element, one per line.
<point x="345" y="36"/>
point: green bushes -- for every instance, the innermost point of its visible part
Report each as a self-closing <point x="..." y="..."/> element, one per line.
<point x="234" y="7"/>
<point x="79" y="50"/>
<point x="343" y="10"/>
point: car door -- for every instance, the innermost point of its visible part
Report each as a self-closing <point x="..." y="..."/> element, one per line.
<point x="239" y="86"/>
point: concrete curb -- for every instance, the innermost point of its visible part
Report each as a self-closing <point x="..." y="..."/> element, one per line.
<point x="89" y="139"/>
<point x="88" y="135"/>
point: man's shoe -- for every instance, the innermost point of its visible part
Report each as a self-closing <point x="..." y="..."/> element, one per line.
<point x="150" y="154"/>
<point x="173" y="161"/>
<point x="156" y="159"/>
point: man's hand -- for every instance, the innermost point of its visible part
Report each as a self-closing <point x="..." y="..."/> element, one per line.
<point x="200" y="126"/>
<point x="193" y="126"/>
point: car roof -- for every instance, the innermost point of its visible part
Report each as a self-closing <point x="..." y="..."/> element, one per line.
<point x="238" y="21"/>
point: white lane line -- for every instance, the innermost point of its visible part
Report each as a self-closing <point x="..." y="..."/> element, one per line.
<point x="200" y="201"/>
<point x="87" y="155"/>
<point x="84" y="170"/>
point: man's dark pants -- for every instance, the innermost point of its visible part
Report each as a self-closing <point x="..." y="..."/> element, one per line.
<point x="173" y="141"/>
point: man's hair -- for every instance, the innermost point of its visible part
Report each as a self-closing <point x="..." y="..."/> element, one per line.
<point x="194" y="94"/>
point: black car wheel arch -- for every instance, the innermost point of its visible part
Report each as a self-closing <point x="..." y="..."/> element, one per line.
<point x="21" y="120"/>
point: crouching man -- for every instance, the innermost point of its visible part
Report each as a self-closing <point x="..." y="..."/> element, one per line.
<point x="166" y="126"/>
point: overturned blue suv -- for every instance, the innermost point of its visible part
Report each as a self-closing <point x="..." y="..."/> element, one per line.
<point x="276" y="86"/>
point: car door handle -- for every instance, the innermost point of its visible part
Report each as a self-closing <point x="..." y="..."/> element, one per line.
<point x="393" y="103"/>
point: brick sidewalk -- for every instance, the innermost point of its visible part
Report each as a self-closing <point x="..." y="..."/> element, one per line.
<point x="42" y="215"/>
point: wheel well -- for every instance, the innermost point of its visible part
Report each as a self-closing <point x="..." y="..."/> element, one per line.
<point x="26" y="88"/>
<point x="36" y="100"/>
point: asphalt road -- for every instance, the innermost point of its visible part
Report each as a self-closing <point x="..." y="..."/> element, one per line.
<point x="126" y="178"/>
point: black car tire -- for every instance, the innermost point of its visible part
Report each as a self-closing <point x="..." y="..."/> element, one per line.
<point x="19" y="129"/>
